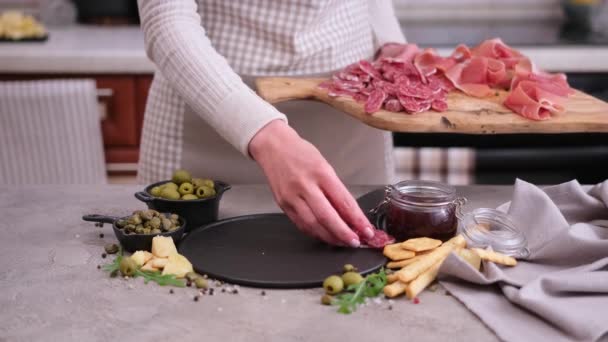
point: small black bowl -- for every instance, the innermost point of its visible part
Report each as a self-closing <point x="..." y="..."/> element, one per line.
<point x="136" y="242"/>
<point x="197" y="212"/>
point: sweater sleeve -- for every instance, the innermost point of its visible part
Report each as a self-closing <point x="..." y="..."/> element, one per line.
<point x="177" y="43"/>
<point x="385" y="24"/>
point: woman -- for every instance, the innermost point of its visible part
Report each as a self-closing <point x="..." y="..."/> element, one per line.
<point x="203" y="116"/>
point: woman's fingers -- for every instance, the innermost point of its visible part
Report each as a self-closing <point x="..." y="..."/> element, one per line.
<point x="329" y="219"/>
<point x="303" y="217"/>
<point x="346" y="206"/>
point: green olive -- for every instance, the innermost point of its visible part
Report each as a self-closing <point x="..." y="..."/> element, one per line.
<point x="188" y="197"/>
<point x="196" y="182"/>
<point x="181" y="176"/>
<point x="333" y="285"/>
<point x="326" y="299"/>
<point x="201" y="283"/>
<point x="209" y="182"/>
<point x="168" y="193"/>
<point x="170" y="185"/>
<point x="127" y="266"/>
<point x="111" y="248"/>
<point x="192" y="276"/>
<point x="155" y="191"/>
<point x="350" y="278"/>
<point x="204" y="191"/>
<point x="186" y="188"/>
<point x="349" y="268"/>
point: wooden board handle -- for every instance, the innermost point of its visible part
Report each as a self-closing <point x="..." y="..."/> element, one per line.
<point x="280" y="89"/>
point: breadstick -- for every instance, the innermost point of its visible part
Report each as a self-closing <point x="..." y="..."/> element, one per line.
<point x="391" y="278"/>
<point x="496" y="257"/>
<point x="402" y="263"/>
<point x="394" y="289"/>
<point x="422" y="281"/>
<point x="396" y="252"/>
<point x="411" y="271"/>
<point x="420" y="244"/>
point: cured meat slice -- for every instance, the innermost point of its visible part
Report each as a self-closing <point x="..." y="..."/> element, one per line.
<point x="439" y="105"/>
<point x="393" y="105"/>
<point x="379" y="240"/>
<point x="375" y="101"/>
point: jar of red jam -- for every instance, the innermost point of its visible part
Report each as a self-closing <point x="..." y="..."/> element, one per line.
<point x="417" y="208"/>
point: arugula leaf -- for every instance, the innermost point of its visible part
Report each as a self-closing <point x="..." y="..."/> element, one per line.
<point x="355" y="295"/>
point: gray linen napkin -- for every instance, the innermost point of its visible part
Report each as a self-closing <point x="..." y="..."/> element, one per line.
<point x="560" y="293"/>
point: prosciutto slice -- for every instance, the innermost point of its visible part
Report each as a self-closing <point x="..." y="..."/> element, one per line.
<point x="405" y="78"/>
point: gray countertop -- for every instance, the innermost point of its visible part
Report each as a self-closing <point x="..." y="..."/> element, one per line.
<point x="120" y="50"/>
<point x="52" y="290"/>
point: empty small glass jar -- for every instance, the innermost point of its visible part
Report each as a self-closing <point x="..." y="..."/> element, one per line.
<point x="418" y="208"/>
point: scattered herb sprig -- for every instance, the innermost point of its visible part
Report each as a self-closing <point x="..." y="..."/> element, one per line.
<point x="355" y="295"/>
<point x="168" y="279"/>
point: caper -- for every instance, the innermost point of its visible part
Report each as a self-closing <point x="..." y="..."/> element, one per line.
<point x="349" y="268"/>
<point x="111" y="248"/>
<point x="166" y="223"/>
<point x="188" y="197"/>
<point x="147" y="230"/>
<point x="154" y="212"/>
<point x="168" y="193"/>
<point x="155" y="223"/>
<point x="181" y="176"/>
<point x="172" y="228"/>
<point x="156" y="231"/>
<point x="147" y="224"/>
<point x="147" y="215"/>
<point x="201" y="283"/>
<point x="175" y="222"/>
<point x="129" y="228"/>
<point x="139" y="229"/>
<point x="333" y="284"/>
<point x="135" y="219"/>
<point x="174" y="217"/>
<point x="155" y="191"/>
<point x="121" y="223"/>
<point x="204" y="191"/>
<point x="350" y="278"/>
<point x="127" y="266"/>
<point x="326" y="299"/>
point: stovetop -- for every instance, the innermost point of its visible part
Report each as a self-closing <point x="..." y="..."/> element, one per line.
<point x="541" y="33"/>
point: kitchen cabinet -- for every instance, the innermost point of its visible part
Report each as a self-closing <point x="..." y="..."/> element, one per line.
<point x="122" y="102"/>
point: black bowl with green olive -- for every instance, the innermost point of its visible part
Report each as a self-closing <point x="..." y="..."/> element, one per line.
<point x="197" y="212"/>
<point x="135" y="232"/>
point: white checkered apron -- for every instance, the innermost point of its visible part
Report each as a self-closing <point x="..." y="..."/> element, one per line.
<point x="264" y="38"/>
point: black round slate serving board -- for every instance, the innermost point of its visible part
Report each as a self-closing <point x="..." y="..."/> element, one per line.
<point x="267" y="250"/>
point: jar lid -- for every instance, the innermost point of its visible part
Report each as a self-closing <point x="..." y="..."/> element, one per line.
<point x="485" y="227"/>
<point x="421" y="192"/>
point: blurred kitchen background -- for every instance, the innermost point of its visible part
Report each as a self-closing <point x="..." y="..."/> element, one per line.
<point x="101" y="41"/>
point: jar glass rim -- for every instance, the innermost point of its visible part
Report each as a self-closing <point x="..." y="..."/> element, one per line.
<point x="422" y="192"/>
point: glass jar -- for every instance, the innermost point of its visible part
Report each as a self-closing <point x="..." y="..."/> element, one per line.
<point x="417" y="208"/>
<point x="486" y="227"/>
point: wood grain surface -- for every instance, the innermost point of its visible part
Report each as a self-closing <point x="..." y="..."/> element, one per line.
<point x="584" y="113"/>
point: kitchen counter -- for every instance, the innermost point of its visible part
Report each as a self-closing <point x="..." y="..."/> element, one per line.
<point x="120" y="50"/>
<point x="52" y="290"/>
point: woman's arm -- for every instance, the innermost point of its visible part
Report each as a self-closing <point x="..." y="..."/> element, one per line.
<point x="176" y="42"/>
<point x="304" y="185"/>
<point x="384" y="22"/>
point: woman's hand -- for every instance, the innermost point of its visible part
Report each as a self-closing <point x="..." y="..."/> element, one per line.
<point x="306" y="187"/>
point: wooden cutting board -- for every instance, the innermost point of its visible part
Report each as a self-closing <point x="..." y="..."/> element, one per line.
<point x="584" y="113"/>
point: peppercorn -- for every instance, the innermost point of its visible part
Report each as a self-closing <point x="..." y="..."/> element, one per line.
<point x="98" y="267"/>
<point x="171" y="291"/>
<point x="390" y="307"/>
<point x="188" y="283"/>
<point x="223" y="290"/>
<point x="196" y="298"/>
<point x="103" y="255"/>
<point x="101" y="235"/>
<point x="235" y="291"/>
<point x="263" y="293"/>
